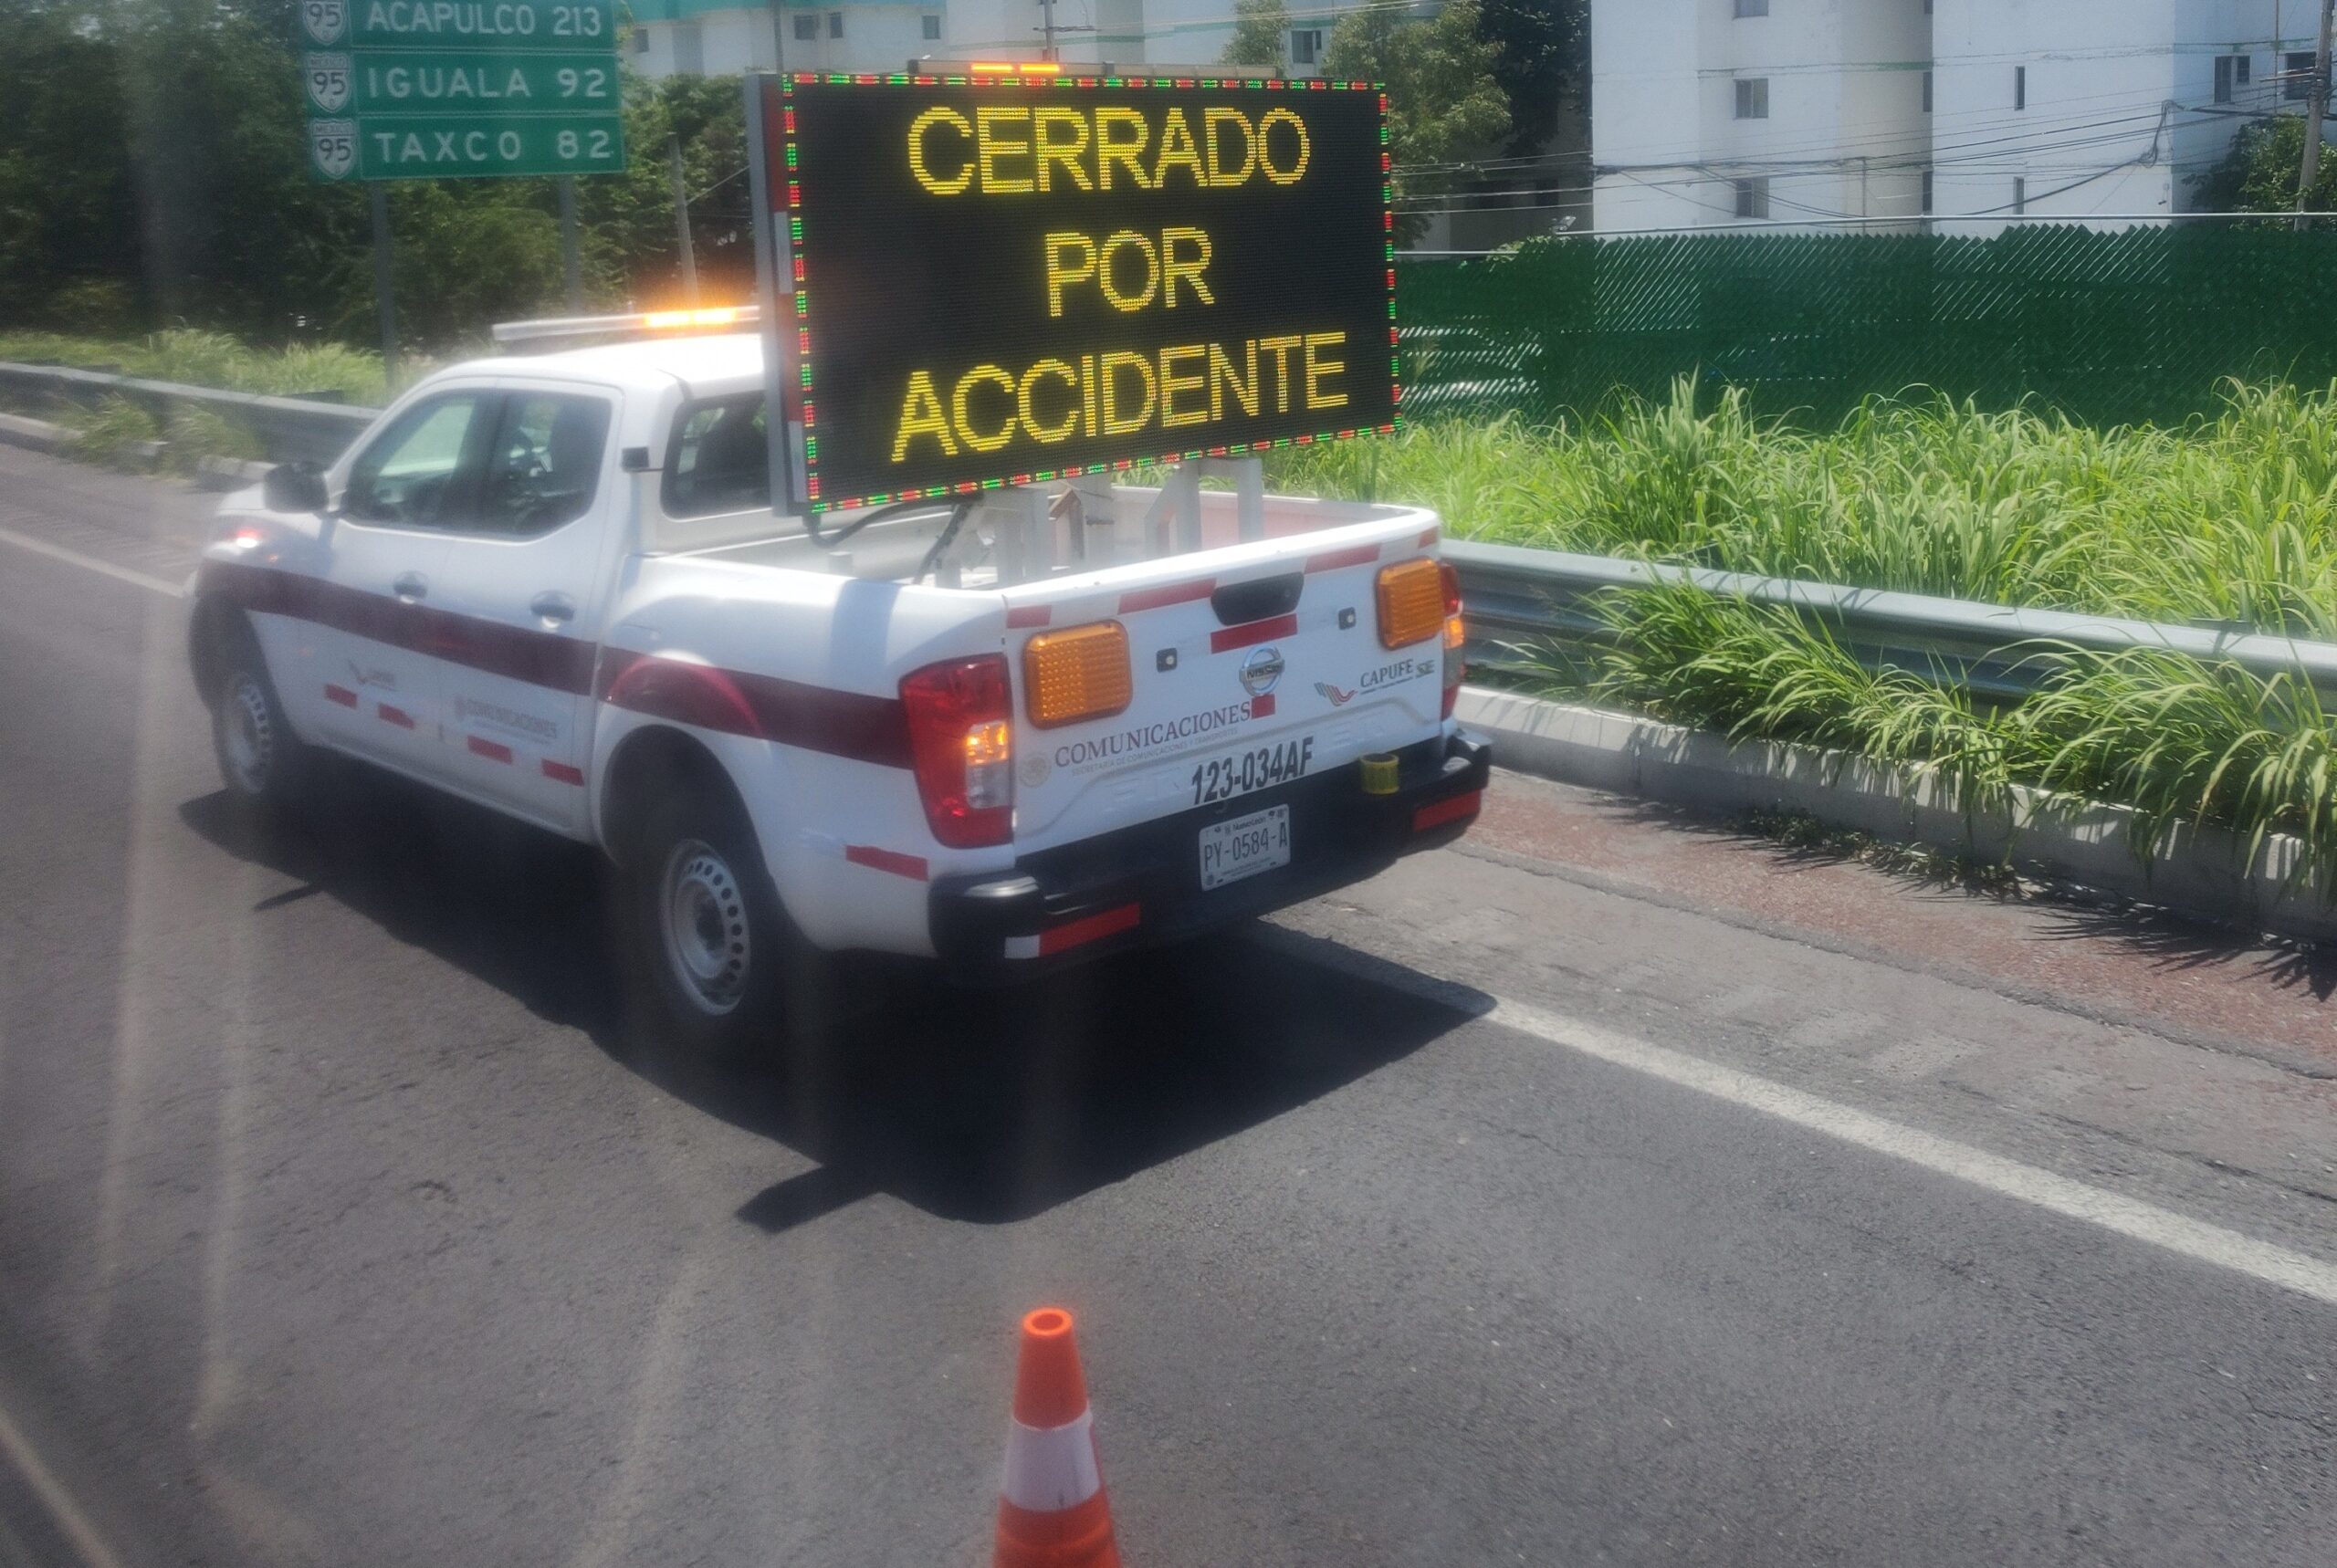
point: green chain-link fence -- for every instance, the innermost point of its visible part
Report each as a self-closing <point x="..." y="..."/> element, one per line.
<point x="2111" y="328"/>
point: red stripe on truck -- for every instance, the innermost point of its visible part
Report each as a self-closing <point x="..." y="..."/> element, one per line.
<point x="560" y="772"/>
<point x="1029" y="615"/>
<point x="493" y="750"/>
<point x="1090" y="928"/>
<point x="1137" y="599"/>
<point x="893" y="861"/>
<point x="397" y="715"/>
<point x="1253" y="632"/>
<point x="341" y="695"/>
<point x="1333" y="560"/>
<point x="864" y="728"/>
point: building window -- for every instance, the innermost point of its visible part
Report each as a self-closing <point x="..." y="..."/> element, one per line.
<point x="807" y="28"/>
<point x="1927" y="192"/>
<point x="640" y="40"/>
<point x="2019" y="196"/>
<point x="2020" y="86"/>
<point x="835" y="24"/>
<point x="932" y="26"/>
<point x="689" y="51"/>
<point x="1927" y="92"/>
<point x="2296" y="77"/>
<point x="1753" y="98"/>
<point x="1752" y="7"/>
<point x="1306" y="45"/>
<point x="1753" y="197"/>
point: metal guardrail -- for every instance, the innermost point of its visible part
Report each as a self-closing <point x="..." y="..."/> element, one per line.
<point x="1529" y="597"/>
<point x="1516" y="597"/>
<point x="288" y="428"/>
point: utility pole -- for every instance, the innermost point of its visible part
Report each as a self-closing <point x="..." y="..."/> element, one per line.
<point x="682" y="220"/>
<point x="2316" y="111"/>
<point x="1047" y="51"/>
<point x="379" y="199"/>
<point x="571" y="263"/>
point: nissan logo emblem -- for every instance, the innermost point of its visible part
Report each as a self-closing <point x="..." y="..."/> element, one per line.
<point x="1261" y="670"/>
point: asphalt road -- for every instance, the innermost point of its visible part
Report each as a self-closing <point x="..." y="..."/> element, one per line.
<point x="1607" y="1190"/>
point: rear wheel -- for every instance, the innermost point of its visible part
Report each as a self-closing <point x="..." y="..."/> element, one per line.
<point x="716" y="970"/>
<point x="262" y="763"/>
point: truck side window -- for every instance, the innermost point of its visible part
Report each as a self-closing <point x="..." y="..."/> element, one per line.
<point x="415" y="475"/>
<point x="719" y="462"/>
<point x="545" y="465"/>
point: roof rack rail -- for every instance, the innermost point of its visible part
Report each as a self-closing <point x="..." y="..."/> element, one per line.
<point x="629" y="324"/>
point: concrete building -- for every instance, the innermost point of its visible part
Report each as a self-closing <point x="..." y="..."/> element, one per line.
<point x="1959" y="115"/>
<point x="722" y="37"/>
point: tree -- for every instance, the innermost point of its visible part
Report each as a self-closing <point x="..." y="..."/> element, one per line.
<point x="1443" y="101"/>
<point x="1545" y="57"/>
<point x="2260" y="174"/>
<point x="1260" y="30"/>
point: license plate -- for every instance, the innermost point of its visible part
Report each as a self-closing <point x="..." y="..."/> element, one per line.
<point x="1244" y="846"/>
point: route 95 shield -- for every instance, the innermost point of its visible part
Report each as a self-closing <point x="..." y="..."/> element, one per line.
<point x="326" y="78"/>
<point x="332" y="147"/>
<point x="325" y="21"/>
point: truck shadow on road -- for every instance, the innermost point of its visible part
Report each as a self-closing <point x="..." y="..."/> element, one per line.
<point x="987" y="1107"/>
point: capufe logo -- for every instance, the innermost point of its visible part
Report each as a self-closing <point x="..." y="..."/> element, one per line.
<point x="1008" y="280"/>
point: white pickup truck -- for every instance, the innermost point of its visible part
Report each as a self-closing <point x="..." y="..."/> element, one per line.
<point x="1008" y="737"/>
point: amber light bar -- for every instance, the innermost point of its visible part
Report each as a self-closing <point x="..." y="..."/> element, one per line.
<point x="631" y="324"/>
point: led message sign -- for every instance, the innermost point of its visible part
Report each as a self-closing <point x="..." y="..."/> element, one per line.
<point x="1004" y="280"/>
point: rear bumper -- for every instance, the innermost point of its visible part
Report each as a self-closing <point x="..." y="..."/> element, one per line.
<point x="1141" y="885"/>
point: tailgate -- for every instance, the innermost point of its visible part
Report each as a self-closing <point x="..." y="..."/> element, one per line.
<point x="1250" y="666"/>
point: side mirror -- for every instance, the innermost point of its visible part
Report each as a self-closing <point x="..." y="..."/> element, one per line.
<point x="293" y="488"/>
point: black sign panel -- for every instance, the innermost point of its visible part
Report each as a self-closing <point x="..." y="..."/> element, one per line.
<point x="1009" y="281"/>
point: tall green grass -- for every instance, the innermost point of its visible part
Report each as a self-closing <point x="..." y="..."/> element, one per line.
<point x="2230" y="519"/>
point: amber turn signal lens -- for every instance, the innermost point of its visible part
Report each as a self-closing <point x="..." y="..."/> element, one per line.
<point x="1411" y="602"/>
<point x="1078" y="674"/>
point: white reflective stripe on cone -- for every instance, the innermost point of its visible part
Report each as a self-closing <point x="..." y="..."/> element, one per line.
<point x="1051" y="1467"/>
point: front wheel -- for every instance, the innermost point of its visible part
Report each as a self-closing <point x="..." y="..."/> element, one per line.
<point x="715" y="968"/>
<point x="262" y="763"/>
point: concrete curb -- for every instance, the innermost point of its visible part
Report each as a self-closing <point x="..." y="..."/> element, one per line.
<point x="211" y="473"/>
<point x="2200" y="871"/>
<point x="32" y="434"/>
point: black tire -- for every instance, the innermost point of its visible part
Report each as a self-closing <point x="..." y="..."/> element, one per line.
<point x="264" y="766"/>
<point x="716" y="972"/>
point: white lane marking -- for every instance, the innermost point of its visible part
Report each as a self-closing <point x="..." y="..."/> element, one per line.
<point x="63" y="1512"/>
<point x="2193" y="1238"/>
<point x="88" y="562"/>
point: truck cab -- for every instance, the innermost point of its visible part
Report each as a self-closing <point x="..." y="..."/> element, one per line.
<point x="1005" y="733"/>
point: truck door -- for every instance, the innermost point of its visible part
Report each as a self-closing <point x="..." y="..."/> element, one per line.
<point x="524" y="587"/>
<point x="379" y="690"/>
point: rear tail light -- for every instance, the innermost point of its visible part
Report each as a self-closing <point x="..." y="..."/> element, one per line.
<point x="963" y="748"/>
<point x="1456" y="636"/>
<point x="1411" y="602"/>
<point x="1078" y="673"/>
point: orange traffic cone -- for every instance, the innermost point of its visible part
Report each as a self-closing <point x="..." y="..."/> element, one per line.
<point x="1051" y="1510"/>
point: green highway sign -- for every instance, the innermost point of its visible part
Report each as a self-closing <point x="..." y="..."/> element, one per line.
<point x="456" y="147"/>
<point x="417" y="81"/>
<point x="460" y="89"/>
<point x="504" y="25"/>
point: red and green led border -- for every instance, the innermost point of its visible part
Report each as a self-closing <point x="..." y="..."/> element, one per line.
<point x="788" y="84"/>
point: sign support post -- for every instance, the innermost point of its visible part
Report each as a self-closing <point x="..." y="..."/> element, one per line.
<point x="382" y="272"/>
<point x="774" y="287"/>
<point x="572" y="266"/>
